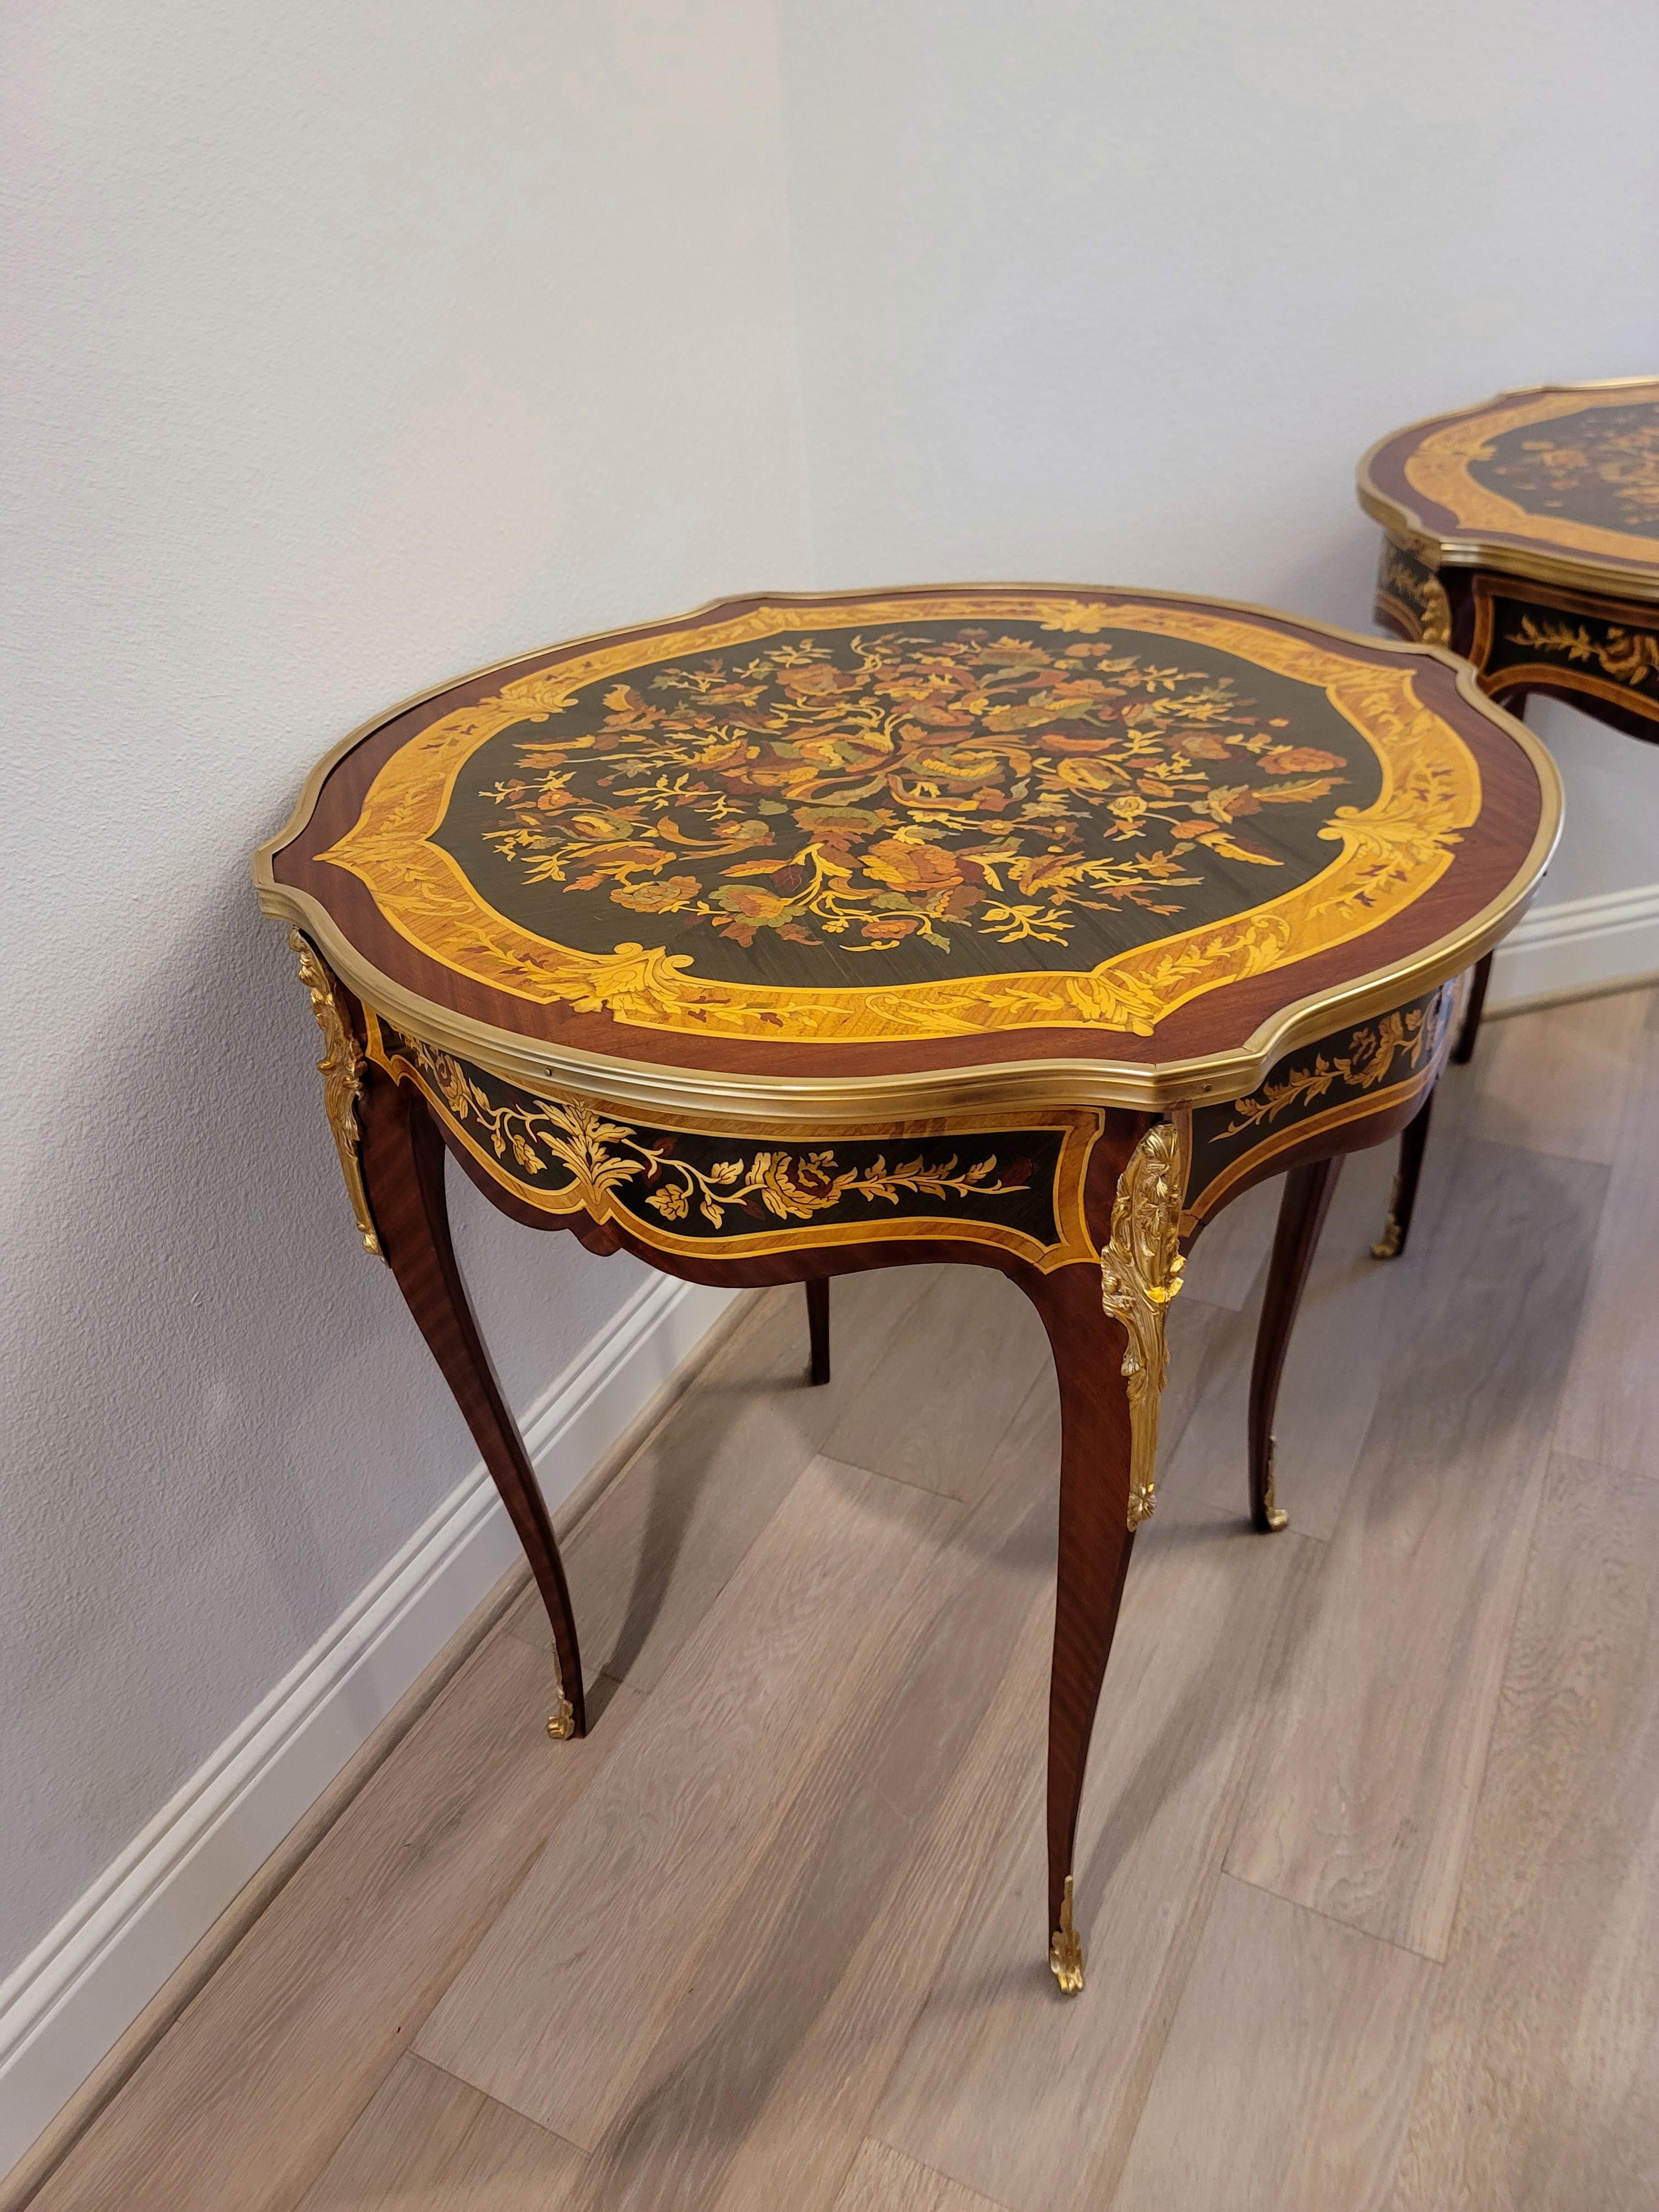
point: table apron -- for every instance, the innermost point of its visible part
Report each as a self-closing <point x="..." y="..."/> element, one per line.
<point x="716" y="1190"/>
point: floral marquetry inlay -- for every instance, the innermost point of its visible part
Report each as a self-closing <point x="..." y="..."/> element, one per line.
<point x="1570" y="469"/>
<point x="1019" y="1188"/>
<point x="1600" y="465"/>
<point x="859" y="790"/>
<point x="1626" y="655"/>
<point x="601" y="1154"/>
<point x="905" y="819"/>
<point x="1589" y="646"/>
<point x="1359" y="1069"/>
<point x="1367" y="1056"/>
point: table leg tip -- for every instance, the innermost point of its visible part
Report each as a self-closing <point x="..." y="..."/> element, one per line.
<point x="1269" y="1517"/>
<point x="1066" y="1967"/>
<point x="562" y="1720"/>
<point x="1065" y="1951"/>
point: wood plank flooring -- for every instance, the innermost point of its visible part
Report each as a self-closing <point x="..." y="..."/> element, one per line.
<point x="1371" y="1839"/>
<point x="1362" y="1801"/>
<point x="1344" y="2018"/>
<point x="1610" y="1411"/>
<point x="428" y="2140"/>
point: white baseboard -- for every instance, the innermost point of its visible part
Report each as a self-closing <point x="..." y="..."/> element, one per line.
<point x="66" y="2005"/>
<point x="1579" y="947"/>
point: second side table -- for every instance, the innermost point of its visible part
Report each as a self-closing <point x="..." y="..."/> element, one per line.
<point x="1524" y="533"/>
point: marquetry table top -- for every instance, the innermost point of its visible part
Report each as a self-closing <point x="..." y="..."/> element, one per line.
<point x="1560" y="482"/>
<point x="810" y="854"/>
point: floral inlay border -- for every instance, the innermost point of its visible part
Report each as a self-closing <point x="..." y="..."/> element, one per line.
<point x="1439" y="469"/>
<point x="1369" y="1054"/>
<point x="1359" y="1069"/>
<point x="1570" y="640"/>
<point x="1629" y="656"/>
<point x="1018" y="1187"/>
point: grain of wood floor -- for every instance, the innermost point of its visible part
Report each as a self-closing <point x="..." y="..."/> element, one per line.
<point x="1371" y="1835"/>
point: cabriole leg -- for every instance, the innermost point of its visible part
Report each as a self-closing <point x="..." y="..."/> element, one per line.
<point x="1302" y="1211"/>
<point x="1463" y="1050"/>
<point x="1514" y="703"/>
<point x="1414" y="1143"/>
<point x="818" y="1327"/>
<point x="403" y="1158"/>
<point x="1094" y="1543"/>
<point x="1106" y="1332"/>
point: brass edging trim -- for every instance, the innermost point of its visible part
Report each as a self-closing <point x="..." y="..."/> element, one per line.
<point x="1470" y="549"/>
<point x="663" y="1091"/>
<point x="1070" y="1176"/>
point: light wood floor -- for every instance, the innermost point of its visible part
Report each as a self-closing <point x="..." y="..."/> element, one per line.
<point x="1370" y="1851"/>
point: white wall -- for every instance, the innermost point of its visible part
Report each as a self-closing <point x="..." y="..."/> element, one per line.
<point x="351" y="345"/>
<point x="1122" y="292"/>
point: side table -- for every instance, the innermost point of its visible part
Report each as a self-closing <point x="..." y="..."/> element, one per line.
<point x="1524" y="533"/>
<point x="1019" y="925"/>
